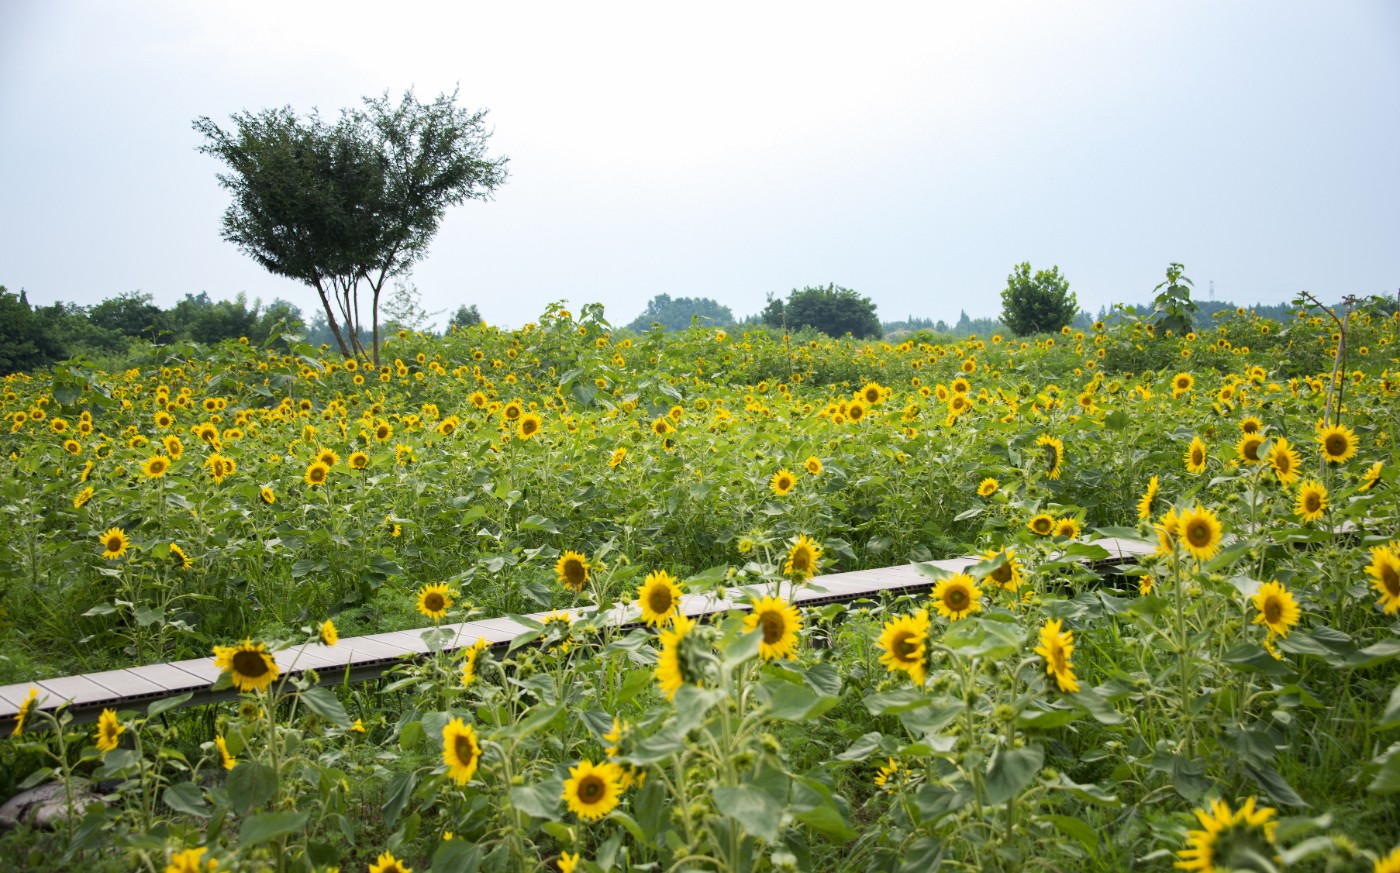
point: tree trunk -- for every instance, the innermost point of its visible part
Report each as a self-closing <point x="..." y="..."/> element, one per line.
<point x="330" y="319"/>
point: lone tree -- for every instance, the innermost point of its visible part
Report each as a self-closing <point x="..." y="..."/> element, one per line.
<point x="1037" y="303"/>
<point x="351" y="204"/>
<point x="833" y="310"/>
<point x="675" y="313"/>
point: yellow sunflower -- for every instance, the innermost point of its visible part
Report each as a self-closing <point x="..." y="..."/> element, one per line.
<point x="1371" y="477"/>
<point x="267" y="495"/>
<point x="387" y="863"/>
<point x="658" y="598"/>
<point x="618" y="456"/>
<point x="328" y="457"/>
<point x="592" y="791"/>
<point x="1067" y="527"/>
<point x="108" y="731"/>
<point x="228" y="761"/>
<point x="1248" y="448"/>
<point x="1055" y="453"/>
<point x="1144" y="506"/>
<point x="568" y="863"/>
<point x="1278" y="611"/>
<point x="1338" y="443"/>
<point x="672" y="666"/>
<point x="855" y="412"/>
<point x="1229" y="839"/>
<point x="988" y="487"/>
<point x="782" y="482"/>
<point x="813" y="465"/>
<point x="1196" y="456"/>
<point x="661" y="427"/>
<point x="872" y="393"/>
<point x="1389" y="864"/>
<point x="25" y="708"/>
<point x="1181" y="383"/>
<point x="1384" y="571"/>
<point x="1251" y="424"/>
<point x="190" y="861"/>
<point x="957" y="597"/>
<point x="358" y="460"/>
<point x="905" y="644"/>
<point x="471" y="658"/>
<point x="250" y="666"/>
<point x="780" y="622"/>
<point x="1168" y="532"/>
<point x="434" y="600"/>
<point x="317" y="473"/>
<point x="179" y="559"/>
<point x="1056" y="647"/>
<point x="83" y="497"/>
<point x="114" y="542"/>
<point x="155" y="466"/>
<point x="529" y="426"/>
<point x="460" y="751"/>
<point x="802" y="558"/>
<point x="1285" y="461"/>
<point x="1007" y="577"/>
<point x="1200" y="532"/>
<point x="1312" y="501"/>
<point x="328" y="634"/>
<point x="1042" y="524"/>
<point x="571" y="571"/>
<point x="889" y="776"/>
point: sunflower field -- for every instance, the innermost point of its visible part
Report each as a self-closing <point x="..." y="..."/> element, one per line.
<point x="1231" y="701"/>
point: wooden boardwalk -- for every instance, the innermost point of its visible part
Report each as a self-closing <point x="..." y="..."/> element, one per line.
<point x="359" y="659"/>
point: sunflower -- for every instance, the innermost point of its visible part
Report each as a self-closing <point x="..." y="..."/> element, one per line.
<point x="780" y="622"/>
<point x="872" y="393"/>
<point x="957" y="597"/>
<point x="471" y="657"/>
<point x="889" y="775"/>
<point x="673" y="669"/>
<point x="228" y="760"/>
<point x="592" y="790"/>
<point x="1042" y="524"/>
<point x="388" y="864"/>
<point x="1056" y="647"/>
<point x="72" y="447"/>
<point x="460" y="751"/>
<point x="529" y="426"/>
<point x="1248" y="448"/>
<point x="571" y="571"/>
<point x="1338" y="442"/>
<point x="317" y="473"/>
<point x="1384" y="571"/>
<point x="178" y="559"/>
<point x="813" y="465"/>
<point x="1055" y="453"/>
<point x="1229" y="839"/>
<point x="382" y="431"/>
<point x="190" y="861"/>
<point x="1168" y="530"/>
<point x="251" y="667"/>
<point x="434" y="600"/>
<point x="267" y="495"/>
<point x="1277" y="609"/>
<point x="114" y="542"/>
<point x="905" y="644"/>
<point x="802" y="558"/>
<point x="1285" y="461"/>
<point x="220" y="467"/>
<point x="1200" y="532"/>
<point x="658" y="598"/>
<point x="855" y="412"/>
<point x="961" y="386"/>
<point x="1251" y="424"/>
<point x="1067" y="527"/>
<point x="782" y="482"/>
<point x="328" y="634"/>
<point x="83" y="497"/>
<point x="1007" y="577"/>
<point x="568" y="863"/>
<point x="1371" y="477"/>
<point x="1389" y="864"/>
<point x="661" y="427"/>
<point x="988" y="487"/>
<point x="1144" y="506"/>
<point x="328" y="457"/>
<point x="1312" y="501"/>
<point x="558" y="626"/>
<point x="619" y="454"/>
<point x="358" y="460"/>
<point x="512" y="411"/>
<point x="1181" y="383"/>
<point x="1196" y="456"/>
<point x="108" y="730"/>
<point x="25" y="708"/>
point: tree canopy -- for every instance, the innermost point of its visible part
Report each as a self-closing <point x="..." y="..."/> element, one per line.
<point x="675" y="313"/>
<point x="1037" y="303"/>
<point x="357" y="202"/>
<point x="833" y="310"/>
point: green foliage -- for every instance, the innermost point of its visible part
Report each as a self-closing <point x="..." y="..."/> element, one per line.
<point x="677" y="313"/>
<point x="464" y="317"/>
<point x="1038" y="303"/>
<point x="335" y="205"/>
<point x="1172" y="308"/>
<point x="24" y="342"/>
<point x="833" y="310"/>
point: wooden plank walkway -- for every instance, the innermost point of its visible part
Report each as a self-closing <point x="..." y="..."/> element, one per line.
<point x="359" y="659"/>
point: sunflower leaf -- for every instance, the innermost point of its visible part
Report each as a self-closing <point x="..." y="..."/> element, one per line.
<point x="324" y="703"/>
<point x="1011" y="770"/>
<point x="267" y="826"/>
<point x="753" y="809"/>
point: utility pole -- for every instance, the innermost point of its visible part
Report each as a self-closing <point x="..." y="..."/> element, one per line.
<point x="1212" y="290"/>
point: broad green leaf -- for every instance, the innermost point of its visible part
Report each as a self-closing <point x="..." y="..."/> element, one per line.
<point x="324" y="703"/>
<point x="167" y="704"/>
<point x="542" y="800"/>
<point x="250" y="784"/>
<point x="259" y="829"/>
<point x="400" y="790"/>
<point x="1075" y="828"/>
<point x="1010" y="771"/>
<point x="754" y="809"/>
<point x="1391" y="717"/>
<point x="790" y="702"/>
<point x="186" y="797"/>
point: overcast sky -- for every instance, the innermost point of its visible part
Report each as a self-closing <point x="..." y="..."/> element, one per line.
<point x="914" y="152"/>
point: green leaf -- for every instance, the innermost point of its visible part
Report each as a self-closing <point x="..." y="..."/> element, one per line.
<point x="400" y="790"/>
<point x="816" y="806"/>
<point x="1046" y="718"/>
<point x="790" y="702"/>
<point x="1275" y="786"/>
<point x="541" y="800"/>
<point x="924" y="855"/>
<point x="1391" y="717"/>
<point x="755" y="810"/>
<point x="259" y="829"/>
<point x="1096" y="704"/>
<point x="538" y="718"/>
<point x="250" y="784"/>
<point x="862" y="748"/>
<point x="188" y="798"/>
<point x="1010" y="771"/>
<point x="324" y="703"/>
<point x="1387" y="779"/>
<point x="1075" y="828"/>
<point x="897" y="701"/>
<point x="1253" y="658"/>
<point x="167" y="704"/>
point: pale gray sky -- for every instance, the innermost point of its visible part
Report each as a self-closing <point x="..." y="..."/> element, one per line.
<point x="914" y="152"/>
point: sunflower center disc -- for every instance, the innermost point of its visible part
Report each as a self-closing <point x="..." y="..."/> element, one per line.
<point x="250" y="664"/>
